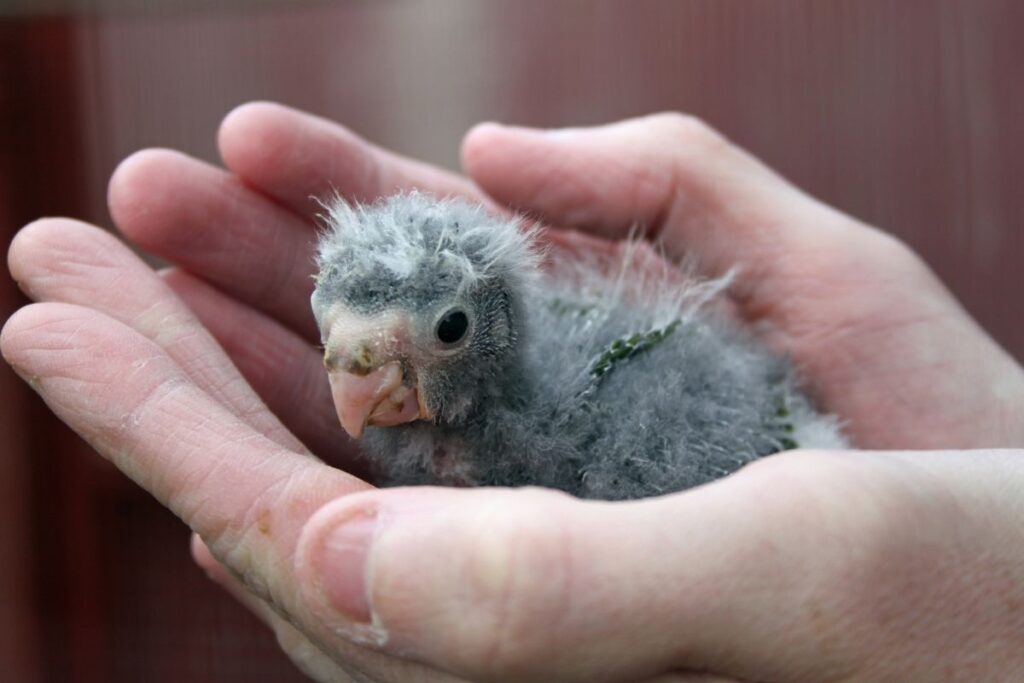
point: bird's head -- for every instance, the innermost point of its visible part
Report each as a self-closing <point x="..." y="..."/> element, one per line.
<point x="418" y="303"/>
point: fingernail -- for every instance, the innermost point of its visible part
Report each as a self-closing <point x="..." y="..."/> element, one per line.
<point x="342" y="566"/>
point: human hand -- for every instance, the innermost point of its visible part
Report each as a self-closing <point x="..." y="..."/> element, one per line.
<point x="188" y="194"/>
<point x="878" y="337"/>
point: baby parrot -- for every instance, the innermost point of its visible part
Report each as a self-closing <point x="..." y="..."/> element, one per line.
<point x="461" y="356"/>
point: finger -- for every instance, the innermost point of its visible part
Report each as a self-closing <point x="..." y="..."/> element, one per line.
<point x="204" y="220"/>
<point x="283" y="368"/>
<point x="767" y="575"/>
<point x="245" y="494"/>
<point x="532" y="585"/>
<point x="853" y="308"/>
<point x="669" y="174"/>
<point x="295" y="157"/>
<point x="345" y="662"/>
<point x="703" y="198"/>
<point x="309" y="658"/>
<point x="68" y="261"/>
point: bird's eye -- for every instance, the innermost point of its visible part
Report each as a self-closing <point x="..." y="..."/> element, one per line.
<point x="452" y="327"/>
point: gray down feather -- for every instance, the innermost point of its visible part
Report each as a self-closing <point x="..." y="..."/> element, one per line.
<point x="608" y="377"/>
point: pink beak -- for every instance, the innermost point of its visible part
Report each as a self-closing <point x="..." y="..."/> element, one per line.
<point x="379" y="398"/>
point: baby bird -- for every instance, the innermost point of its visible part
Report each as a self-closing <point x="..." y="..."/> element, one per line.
<point x="460" y="356"/>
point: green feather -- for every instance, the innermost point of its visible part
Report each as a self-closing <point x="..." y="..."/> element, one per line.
<point x="625" y="348"/>
<point x="786" y="443"/>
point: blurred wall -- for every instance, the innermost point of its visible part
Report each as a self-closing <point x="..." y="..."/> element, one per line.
<point x="908" y="114"/>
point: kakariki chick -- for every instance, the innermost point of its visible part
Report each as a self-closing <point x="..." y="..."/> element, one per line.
<point x="461" y="356"/>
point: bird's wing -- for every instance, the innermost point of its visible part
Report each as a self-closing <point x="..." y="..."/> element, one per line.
<point x="661" y="392"/>
<point x="595" y="312"/>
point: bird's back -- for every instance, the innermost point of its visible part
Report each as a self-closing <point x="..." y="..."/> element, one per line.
<point x="653" y="389"/>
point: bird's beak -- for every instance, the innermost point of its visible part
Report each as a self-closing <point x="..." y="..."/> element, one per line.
<point x="380" y="398"/>
<point x="369" y="385"/>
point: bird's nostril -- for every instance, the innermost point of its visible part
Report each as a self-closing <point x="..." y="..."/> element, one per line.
<point x="360" y="363"/>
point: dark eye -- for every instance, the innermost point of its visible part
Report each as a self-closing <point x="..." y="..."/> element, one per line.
<point x="452" y="327"/>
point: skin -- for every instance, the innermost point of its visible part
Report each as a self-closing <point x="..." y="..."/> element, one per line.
<point x="905" y="564"/>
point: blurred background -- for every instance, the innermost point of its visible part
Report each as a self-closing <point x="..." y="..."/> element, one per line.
<point x="908" y="114"/>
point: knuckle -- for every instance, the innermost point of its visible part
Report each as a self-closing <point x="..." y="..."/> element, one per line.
<point x="879" y="253"/>
<point x="243" y="539"/>
<point x="877" y="562"/>
<point x="688" y="133"/>
<point x="517" y="572"/>
<point x="795" y="472"/>
<point x="856" y="246"/>
<point x="897" y="257"/>
<point x="828" y="481"/>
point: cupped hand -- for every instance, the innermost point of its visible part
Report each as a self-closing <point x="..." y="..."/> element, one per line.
<point x="803" y="567"/>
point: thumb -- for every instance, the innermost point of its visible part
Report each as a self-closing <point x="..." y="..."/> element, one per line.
<point x="669" y="174"/>
<point x="496" y="584"/>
